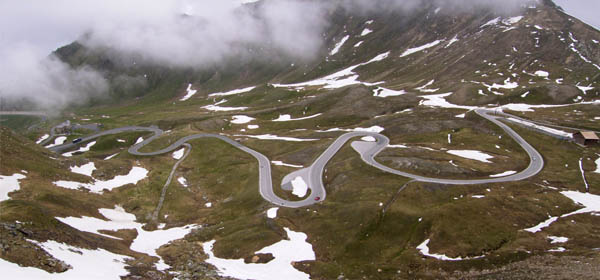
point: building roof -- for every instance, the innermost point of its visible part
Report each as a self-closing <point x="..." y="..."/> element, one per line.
<point x="589" y="135"/>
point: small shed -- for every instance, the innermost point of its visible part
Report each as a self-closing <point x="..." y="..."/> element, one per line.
<point x="586" y="138"/>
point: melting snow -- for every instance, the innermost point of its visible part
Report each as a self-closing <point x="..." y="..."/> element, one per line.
<point x="44" y="137"/>
<point x="111" y="156"/>
<point x="559" y="249"/>
<point x="590" y="203"/>
<point x="80" y="150"/>
<point x="584" y="89"/>
<point x="135" y="175"/>
<point x="424" y="88"/>
<point x="542" y="225"/>
<point x="300" y="187"/>
<point x="472" y="154"/>
<point x="365" y="32"/>
<point x="190" y="93"/>
<point x="421" y="48"/>
<point x="358" y="44"/>
<point x="85" y="169"/>
<point x="139" y="140"/>
<point x="217" y="108"/>
<point x="253" y="126"/>
<point x="296" y="249"/>
<point x="557" y="239"/>
<point x="512" y="20"/>
<point x="543" y="128"/>
<point x="57" y="141"/>
<point x="178" y="154"/>
<point x="491" y="22"/>
<point x="504" y="174"/>
<point x="281" y="163"/>
<point x="452" y="41"/>
<point x="369" y="139"/>
<point x="272" y="212"/>
<point x="375" y="129"/>
<point x="241" y="119"/>
<point x="597" y="166"/>
<point x="384" y="92"/>
<point x="287" y="118"/>
<point x="146" y="241"/>
<point x="478" y="196"/>
<point x="275" y="137"/>
<point x="182" y="181"/>
<point x="9" y="184"/>
<point x="425" y="252"/>
<point x="85" y="264"/>
<point x="232" y="92"/>
<point x="542" y="74"/>
<point x="338" y="79"/>
<point x="339" y="45"/>
<point x="439" y="100"/>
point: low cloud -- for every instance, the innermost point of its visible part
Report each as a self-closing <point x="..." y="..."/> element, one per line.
<point x="47" y="81"/>
<point x="179" y="33"/>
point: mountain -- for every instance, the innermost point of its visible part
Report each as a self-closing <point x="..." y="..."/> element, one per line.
<point x="416" y="75"/>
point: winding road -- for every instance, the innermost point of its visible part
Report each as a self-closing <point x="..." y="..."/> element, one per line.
<point x="313" y="175"/>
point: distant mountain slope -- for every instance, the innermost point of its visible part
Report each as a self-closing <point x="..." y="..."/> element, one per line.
<point x="482" y="55"/>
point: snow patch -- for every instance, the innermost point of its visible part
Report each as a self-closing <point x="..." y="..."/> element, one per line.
<point x="338" y="79"/>
<point x="300" y="188"/>
<point x="281" y="163"/>
<point x="44" y="137"/>
<point x="420" y="48"/>
<point x="472" y="154"/>
<point x="369" y="139"/>
<point x="80" y="150"/>
<point x="365" y="32"/>
<point x="9" y="184"/>
<point x="272" y="212"/>
<point x="507" y="173"/>
<point x="178" y="154"/>
<point x="275" y="137"/>
<point x="542" y="74"/>
<point x="85" y="169"/>
<point x="57" y="141"/>
<point x="85" y="264"/>
<point x="135" y="175"/>
<point x="241" y="119"/>
<point x="375" y="129"/>
<point x="232" y="92"/>
<point x="215" y="107"/>
<point x="339" y="45"/>
<point x="385" y="92"/>
<point x="146" y="242"/>
<point x="182" y="181"/>
<point x="424" y="250"/>
<point x="189" y="94"/>
<point x="557" y="239"/>
<point x="542" y="225"/>
<point x="287" y="118"/>
<point x="111" y="156"/>
<point x="543" y="128"/>
<point x="296" y="249"/>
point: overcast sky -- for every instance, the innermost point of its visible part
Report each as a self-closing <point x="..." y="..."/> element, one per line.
<point x="585" y="10"/>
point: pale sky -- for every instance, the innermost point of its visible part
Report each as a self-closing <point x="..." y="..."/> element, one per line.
<point x="586" y="10"/>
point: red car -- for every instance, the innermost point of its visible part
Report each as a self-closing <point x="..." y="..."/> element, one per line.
<point x="317" y="198"/>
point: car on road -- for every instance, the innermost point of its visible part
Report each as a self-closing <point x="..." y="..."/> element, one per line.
<point x="317" y="198"/>
<point x="77" y="140"/>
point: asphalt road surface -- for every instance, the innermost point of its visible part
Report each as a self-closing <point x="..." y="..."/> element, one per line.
<point x="313" y="175"/>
